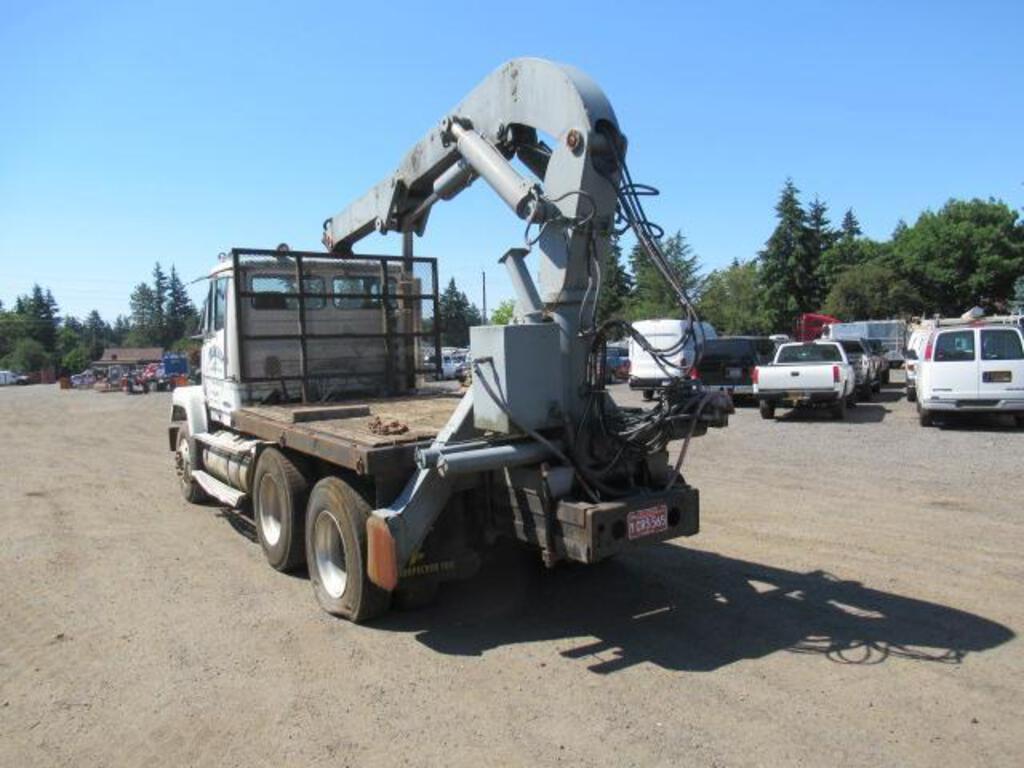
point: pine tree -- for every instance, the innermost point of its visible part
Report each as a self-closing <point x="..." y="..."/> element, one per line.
<point x="788" y="271"/>
<point x="616" y="284"/>
<point x="457" y="315"/>
<point x="145" y="328"/>
<point x="160" y="303"/>
<point x="850" y="228"/>
<point x="819" y="239"/>
<point x="651" y="296"/>
<point x="180" y="312"/>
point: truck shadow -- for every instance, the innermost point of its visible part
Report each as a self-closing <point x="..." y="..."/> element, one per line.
<point x="862" y="413"/>
<point x="691" y="611"/>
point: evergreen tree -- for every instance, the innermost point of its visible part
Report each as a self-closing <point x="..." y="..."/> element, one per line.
<point x="651" y="296"/>
<point x="457" y="315"/>
<point x="819" y="239"/>
<point x="848" y="250"/>
<point x="160" y="304"/>
<point x="145" y="328"/>
<point x="616" y="284"/>
<point x="850" y="229"/>
<point x="39" y="310"/>
<point x="181" y="313"/>
<point x="788" y="272"/>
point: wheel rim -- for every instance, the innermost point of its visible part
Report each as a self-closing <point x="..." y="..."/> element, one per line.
<point x="270" y="512"/>
<point x="329" y="554"/>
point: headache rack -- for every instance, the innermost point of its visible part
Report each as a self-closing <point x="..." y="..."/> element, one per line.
<point x="336" y="325"/>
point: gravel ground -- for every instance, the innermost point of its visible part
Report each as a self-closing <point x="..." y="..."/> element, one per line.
<point x="853" y="599"/>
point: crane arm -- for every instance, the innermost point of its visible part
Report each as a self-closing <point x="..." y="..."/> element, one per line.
<point x="503" y="118"/>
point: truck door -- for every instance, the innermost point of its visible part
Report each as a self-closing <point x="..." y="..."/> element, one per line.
<point x="954" y="370"/>
<point x="215" y="345"/>
<point x="1001" y="365"/>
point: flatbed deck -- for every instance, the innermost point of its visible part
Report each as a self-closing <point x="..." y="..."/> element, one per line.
<point x="369" y="436"/>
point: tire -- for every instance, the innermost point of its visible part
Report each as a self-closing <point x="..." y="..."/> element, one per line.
<point x="885" y="376"/>
<point x="911" y="394"/>
<point x="877" y="386"/>
<point x="336" y="552"/>
<point x="925" y="417"/>
<point x="1019" y="421"/>
<point x="648" y="395"/>
<point x="767" y="410"/>
<point x="279" y="492"/>
<point x="191" y="491"/>
<point x="865" y="393"/>
<point x="838" y="409"/>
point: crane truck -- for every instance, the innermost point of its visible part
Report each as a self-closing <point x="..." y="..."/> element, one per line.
<point x="315" y="408"/>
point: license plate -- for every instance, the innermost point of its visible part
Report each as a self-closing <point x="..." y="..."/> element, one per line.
<point x="647" y="522"/>
<point x="733" y="373"/>
<point x="996" y="377"/>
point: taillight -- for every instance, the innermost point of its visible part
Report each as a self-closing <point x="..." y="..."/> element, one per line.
<point x="694" y="374"/>
<point x="835" y="374"/>
<point x="928" y="347"/>
<point x="753" y="375"/>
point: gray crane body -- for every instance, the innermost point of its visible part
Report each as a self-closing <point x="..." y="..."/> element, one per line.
<point x="535" y="450"/>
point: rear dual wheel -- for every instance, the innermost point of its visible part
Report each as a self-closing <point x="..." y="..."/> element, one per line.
<point x="336" y="552"/>
<point x="279" y="493"/>
<point x="767" y="410"/>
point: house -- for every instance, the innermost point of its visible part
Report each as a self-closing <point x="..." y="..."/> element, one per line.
<point x="117" y="360"/>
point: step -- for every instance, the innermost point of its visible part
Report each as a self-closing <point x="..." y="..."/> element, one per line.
<point x="220" y="490"/>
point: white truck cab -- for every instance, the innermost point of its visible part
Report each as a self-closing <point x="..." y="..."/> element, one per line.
<point x="972" y="368"/>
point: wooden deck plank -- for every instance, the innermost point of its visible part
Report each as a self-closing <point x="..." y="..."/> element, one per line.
<point x="424" y="416"/>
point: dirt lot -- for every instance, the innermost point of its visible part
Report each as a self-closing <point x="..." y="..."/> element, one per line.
<point x="854" y="599"/>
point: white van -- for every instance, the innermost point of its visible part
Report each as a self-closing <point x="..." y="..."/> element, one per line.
<point x="975" y="369"/>
<point x="644" y="372"/>
<point x="915" y="345"/>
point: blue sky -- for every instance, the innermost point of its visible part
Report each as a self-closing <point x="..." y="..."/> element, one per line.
<point x="145" y="131"/>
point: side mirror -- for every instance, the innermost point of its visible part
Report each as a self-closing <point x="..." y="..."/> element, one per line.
<point x="910" y="354"/>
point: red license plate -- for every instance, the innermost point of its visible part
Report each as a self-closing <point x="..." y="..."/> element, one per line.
<point x="647" y="522"/>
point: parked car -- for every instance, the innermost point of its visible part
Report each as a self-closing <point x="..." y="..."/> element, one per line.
<point x="8" y="377"/>
<point x="972" y="369"/>
<point x="728" y="363"/>
<point x="913" y="355"/>
<point x="645" y="373"/>
<point x="891" y="335"/>
<point x="814" y="374"/>
<point x="865" y="366"/>
<point x="616" y="364"/>
<point x="464" y="370"/>
<point x="882" y="359"/>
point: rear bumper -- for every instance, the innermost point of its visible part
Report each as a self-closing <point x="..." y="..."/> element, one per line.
<point x="975" y="405"/>
<point x="638" y="383"/>
<point x="735" y="389"/>
<point x="591" y="532"/>
<point x="798" y="397"/>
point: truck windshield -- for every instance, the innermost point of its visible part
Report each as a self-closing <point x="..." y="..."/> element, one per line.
<point x="810" y="353"/>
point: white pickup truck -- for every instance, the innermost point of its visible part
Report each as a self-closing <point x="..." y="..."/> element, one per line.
<point x="813" y="374"/>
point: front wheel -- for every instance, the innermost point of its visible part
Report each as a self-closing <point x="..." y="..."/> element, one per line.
<point x="648" y="394"/>
<point x="911" y="394"/>
<point x="767" y="410"/>
<point x="191" y="491"/>
<point x="337" y="553"/>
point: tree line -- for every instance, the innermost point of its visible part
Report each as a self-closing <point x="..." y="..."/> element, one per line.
<point x="35" y="336"/>
<point x="969" y="252"/>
